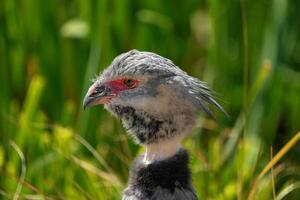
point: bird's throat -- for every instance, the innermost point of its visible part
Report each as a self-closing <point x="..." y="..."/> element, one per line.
<point x="161" y="150"/>
<point x="160" y="136"/>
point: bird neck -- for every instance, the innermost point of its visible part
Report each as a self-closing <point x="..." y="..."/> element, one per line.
<point x="164" y="179"/>
<point x="153" y="130"/>
<point x="161" y="150"/>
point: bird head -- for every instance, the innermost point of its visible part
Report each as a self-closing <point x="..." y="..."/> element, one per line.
<point x="154" y="98"/>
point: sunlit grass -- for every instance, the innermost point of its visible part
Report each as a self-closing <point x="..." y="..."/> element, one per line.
<point x="247" y="51"/>
<point x="292" y="142"/>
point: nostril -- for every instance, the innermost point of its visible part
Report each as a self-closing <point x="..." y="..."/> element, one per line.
<point x="98" y="90"/>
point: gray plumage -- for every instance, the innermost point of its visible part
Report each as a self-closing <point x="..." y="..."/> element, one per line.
<point x="158" y="111"/>
<point x="163" y="180"/>
<point x="162" y="70"/>
<point x="163" y="79"/>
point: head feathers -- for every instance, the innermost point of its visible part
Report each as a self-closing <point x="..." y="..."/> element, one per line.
<point x="163" y="71"/>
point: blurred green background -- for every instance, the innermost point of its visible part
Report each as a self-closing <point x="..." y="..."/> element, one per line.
<point x="50" y="50"/>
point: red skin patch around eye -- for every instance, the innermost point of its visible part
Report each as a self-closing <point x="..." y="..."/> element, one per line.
<point x="118" y="85"/>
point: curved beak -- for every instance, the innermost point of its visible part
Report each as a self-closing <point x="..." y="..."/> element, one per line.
<point x="97" y="94"/>
<point x="87" y="102"/>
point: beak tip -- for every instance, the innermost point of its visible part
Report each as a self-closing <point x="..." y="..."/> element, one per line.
<point x="94" y="97"/>
<point x="86" y="102"/>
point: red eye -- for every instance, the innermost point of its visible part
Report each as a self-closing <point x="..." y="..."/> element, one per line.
<point x="129" y="83"/>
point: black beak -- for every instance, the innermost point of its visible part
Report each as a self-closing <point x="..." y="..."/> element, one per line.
<point x="87" y="101"/>
<point x="95" y="95"/>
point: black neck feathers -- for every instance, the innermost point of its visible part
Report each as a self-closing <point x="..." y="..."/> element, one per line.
<point x="145" y="128"/>
<point x="168" y="179"/>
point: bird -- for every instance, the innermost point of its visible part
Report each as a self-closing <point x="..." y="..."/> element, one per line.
<point x="158" y="104"/>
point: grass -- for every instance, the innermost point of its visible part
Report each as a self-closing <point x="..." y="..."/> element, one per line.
<point x="247" y="51"/>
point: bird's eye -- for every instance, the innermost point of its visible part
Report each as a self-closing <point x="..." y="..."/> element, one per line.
<point x="129" y="82"/>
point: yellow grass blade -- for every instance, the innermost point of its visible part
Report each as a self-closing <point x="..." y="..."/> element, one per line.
<point x="273" y="161"/>
<point x="23" y="170"/>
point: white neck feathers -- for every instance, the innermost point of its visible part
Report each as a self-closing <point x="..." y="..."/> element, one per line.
<point x="162" y="150"/>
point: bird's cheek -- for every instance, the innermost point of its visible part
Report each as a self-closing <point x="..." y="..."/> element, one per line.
<point x="104" y="100"/>
<point x="115" y="89"/>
